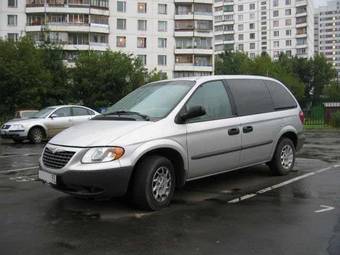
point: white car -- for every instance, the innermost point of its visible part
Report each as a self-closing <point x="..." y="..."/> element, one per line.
<point x="46" y="123"/>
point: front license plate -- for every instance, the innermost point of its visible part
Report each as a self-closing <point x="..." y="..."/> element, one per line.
<point x="47" y="177"/>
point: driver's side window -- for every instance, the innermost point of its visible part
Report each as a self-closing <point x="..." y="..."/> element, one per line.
<point x="63" y="112"/>
<point x="213" y="97"/>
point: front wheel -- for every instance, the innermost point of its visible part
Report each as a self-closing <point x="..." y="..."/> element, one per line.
<point x="36" y="135"/>
<point x="153" y="183"/>
<point x="284" y="157"/>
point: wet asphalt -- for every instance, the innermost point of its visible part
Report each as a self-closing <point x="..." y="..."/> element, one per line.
<point x="301" y="215"/>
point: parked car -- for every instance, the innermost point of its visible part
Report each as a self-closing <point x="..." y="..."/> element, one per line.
<point x="25" y="114"/>
<point x="46" y="123"/>
<point x="166" y="133"/>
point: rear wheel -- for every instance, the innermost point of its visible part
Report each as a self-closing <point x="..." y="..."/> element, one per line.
<point x="36" y="135"/>
<point x="284" y="157"/>
<point x="153" y="183"/>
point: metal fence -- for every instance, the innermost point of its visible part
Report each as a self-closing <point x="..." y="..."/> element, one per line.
<point x="315" y="115"/>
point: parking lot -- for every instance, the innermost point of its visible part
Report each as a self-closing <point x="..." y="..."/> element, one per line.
<point x="242" y="212"/>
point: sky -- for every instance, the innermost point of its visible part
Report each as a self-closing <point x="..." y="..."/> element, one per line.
<point x="317" y="3"/>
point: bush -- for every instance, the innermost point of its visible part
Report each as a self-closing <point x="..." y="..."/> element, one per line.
<point x="336" y="119"/>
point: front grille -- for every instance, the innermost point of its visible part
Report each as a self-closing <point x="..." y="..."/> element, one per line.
<point x="58" y="159"/>
<point x="6" y="126"/>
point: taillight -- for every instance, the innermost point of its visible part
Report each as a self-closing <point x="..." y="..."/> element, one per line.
<point x="302" y="116"/>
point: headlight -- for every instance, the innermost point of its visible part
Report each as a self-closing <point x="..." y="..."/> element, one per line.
<point x="17" y="126"/>
<point x="102" y="154"/>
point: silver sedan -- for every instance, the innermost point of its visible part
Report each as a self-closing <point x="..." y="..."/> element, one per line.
<point x="46" y="123"/>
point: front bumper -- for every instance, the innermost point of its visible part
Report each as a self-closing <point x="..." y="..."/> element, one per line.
<point x="97" y="184"/>
<point x="5" y="133"/>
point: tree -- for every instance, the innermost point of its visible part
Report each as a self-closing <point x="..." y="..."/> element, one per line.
<point x="232" y="63"/>
<point x="332" y="92"/>
<point x="101" y="79"/>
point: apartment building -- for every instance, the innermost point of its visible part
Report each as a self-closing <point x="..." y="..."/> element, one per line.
<point x="174" y="36"/>
<point x="327" y="32"/>
<point x="271" y="26"/>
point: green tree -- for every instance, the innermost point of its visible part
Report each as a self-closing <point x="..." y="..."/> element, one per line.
<point x="232" y="63"/>
<point x="101" y="79"/>
<point x="332" y="92"/>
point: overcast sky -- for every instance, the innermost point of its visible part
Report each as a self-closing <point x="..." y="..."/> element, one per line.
<point x="319" y="2"/>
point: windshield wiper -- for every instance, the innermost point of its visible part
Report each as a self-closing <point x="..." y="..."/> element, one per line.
<point x="145" y="117"/>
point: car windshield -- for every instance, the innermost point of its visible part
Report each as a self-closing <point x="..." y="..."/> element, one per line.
<point x="44" y="112"/>
<point x="154" y="100"/>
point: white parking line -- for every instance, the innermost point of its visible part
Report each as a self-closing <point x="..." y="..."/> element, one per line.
<point x="20" y="155"/>
<point x="19" y="169"/>
<point x="247" y="196"/>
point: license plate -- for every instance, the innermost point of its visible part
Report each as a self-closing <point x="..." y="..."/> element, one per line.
<point x="47" y="177"/>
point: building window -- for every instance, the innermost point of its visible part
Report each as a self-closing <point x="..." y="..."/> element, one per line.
<point x="162" y="9"/>
<point x="288" y="12"/>
<point x="162" y="26"/>
<point x="141" y="7"/>
<point x="162" y="60"/>
<point x="275" y="23"/>
<point x="240" y="37"/>
<point x="276" y="13"/>
<point x="121" y="6"/>
<point x="142" y="25"/>
<point x="288" y="22"/>
<point x="12" y="37"/>
<point x="240" y="8"/>
<point x="252" y="46"/>
<point x="252" y="36"/>
<point x="288" y="32"/>
<point x="276" y="44"/>
<point x="288" y="2"/>
<point x="288" y="43"/>
<point x="289" y="52"/>
<point x="142" y="59"/>
<point x="141" y="42"/>
<point x="12" y="3"/>
<point x="121" y="41"/>
<point x="121" y="24"/>
<point x="252" y="15"/>
<point x="251" y="6"/>
<point x="240" y="17"/>
<point x="12" y="20"/>
<point x="252" y="26"/>
<point x="240" y="27"/>
<point x="162" y="42"/>
<point x="275" y="3"/>
<point x="276" y="33"/>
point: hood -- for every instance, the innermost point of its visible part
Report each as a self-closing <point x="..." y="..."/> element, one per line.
<point x="27" y="121"/>
<point x="96" y="133"/>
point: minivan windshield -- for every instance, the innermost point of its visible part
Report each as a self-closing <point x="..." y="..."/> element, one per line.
<point x="44" y="112"/>
<point x="154" y="100"/>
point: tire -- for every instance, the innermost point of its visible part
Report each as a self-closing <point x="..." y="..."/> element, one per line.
<point x="154" y="172"/>
<point x="36" y="135"/>
<point x="284" y="157"/>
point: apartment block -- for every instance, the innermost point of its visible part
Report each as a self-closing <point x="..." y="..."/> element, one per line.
<point x="174" y="36"/>
<point x="327" y="32"/>
<point x="271" y="26"/>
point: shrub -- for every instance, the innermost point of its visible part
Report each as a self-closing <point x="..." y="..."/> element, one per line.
<point x="336" y="119"/>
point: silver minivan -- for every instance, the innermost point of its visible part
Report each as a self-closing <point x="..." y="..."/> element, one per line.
<point x="169" y="132"/>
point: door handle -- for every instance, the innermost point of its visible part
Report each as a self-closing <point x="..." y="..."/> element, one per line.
<point x="247" y="129"/>
<point x="233" y="131"/>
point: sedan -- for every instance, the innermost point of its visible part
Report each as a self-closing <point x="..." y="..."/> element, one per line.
<point x="46" y="123"/>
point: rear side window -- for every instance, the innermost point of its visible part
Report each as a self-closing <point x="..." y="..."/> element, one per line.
<point x="282" y="99"/>
<point x="214" y="98"/>
<point x="251" y="96"/>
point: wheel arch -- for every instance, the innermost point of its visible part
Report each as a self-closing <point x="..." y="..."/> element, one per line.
<point x="170" y="151"/>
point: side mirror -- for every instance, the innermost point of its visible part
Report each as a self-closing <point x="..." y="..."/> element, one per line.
<point x="192" y="112"/>
<point x="52" y="116"/>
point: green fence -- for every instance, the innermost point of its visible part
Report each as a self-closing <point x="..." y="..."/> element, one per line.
<point x="315" y="116"/>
